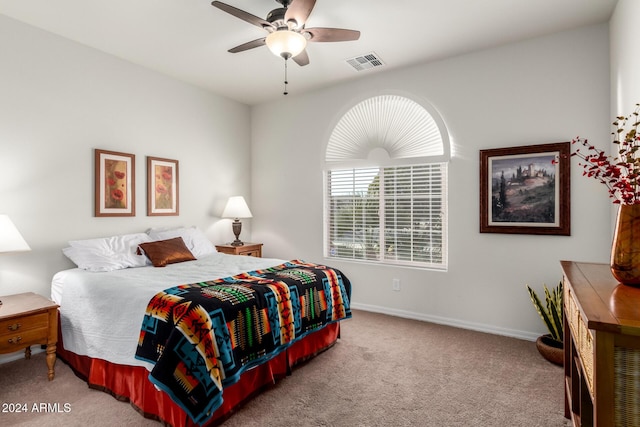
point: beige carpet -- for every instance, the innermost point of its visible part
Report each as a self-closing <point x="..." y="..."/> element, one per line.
<point x="384" y="371"/>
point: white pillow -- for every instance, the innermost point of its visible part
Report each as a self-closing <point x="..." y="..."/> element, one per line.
<point x="195" y="240"/>
<point x="108" y="253"/>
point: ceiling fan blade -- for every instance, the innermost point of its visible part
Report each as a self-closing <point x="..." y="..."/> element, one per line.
<point x="251" y="19"/>
<point x="332" y="34"/>
<point x="299" y="10"/>
<point x="301" y="59"/>
<point x="248" y="45"/>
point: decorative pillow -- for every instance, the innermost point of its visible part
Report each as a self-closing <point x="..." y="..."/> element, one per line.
<point x="108" y="253"/>
<point x="195" y="240"/>
<point x="163" y="252"/>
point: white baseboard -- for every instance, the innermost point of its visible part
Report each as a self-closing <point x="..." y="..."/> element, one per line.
<point x="529" y="336"/>
<point x="6" y="358"/>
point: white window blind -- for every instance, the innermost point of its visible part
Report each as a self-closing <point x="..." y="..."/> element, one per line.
<point x="392" y="215"/>
<point x="400" y="126"/>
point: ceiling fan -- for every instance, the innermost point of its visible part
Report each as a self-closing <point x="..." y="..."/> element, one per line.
<point x="288" y="36"/>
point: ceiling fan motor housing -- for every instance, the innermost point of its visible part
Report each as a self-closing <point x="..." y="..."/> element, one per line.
<point x="276" y="15"/>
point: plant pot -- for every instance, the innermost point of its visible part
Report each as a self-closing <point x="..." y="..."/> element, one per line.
<point x="550" y="349"/>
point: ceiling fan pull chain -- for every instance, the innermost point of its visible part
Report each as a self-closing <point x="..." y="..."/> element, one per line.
<point x="285" y="78"/>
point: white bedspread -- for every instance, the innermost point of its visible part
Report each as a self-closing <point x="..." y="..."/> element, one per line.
<point x="101" y="313"/>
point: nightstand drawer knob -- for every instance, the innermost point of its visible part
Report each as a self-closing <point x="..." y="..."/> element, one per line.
<point x="14" y="327"/>
<point x="15" y="340"/>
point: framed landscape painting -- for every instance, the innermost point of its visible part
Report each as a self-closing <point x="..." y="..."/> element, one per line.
<point x="162" y="187"/>
<point x="114" y="183"/>
<point x="525" y="190"/>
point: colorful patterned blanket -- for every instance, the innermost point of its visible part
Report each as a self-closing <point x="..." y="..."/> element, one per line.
<point x="202" y="336"/>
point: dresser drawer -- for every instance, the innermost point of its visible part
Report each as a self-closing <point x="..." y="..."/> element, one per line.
<point x="585" y="348"/>
<point x="582" y="336"/>
<point x="572" y="312"/>
<point x="33" y="321"/>
<point x="18" y="340"/>
<point x="24" y="331"/>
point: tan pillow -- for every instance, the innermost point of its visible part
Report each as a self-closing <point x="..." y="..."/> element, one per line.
<point x="163" y="252"/>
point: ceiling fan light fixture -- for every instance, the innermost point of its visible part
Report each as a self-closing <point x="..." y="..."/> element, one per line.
<point x="286" y="43"/>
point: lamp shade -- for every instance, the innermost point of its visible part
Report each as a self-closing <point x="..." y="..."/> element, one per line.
<point x="236" y="208"/>
<point x="10" y="238"/>
<point x="286" y="43"/>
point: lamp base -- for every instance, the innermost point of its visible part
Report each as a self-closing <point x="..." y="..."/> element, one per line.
<point x="237" y="228"/>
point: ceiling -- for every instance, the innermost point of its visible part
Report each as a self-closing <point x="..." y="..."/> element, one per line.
<point x="189" y="39"/>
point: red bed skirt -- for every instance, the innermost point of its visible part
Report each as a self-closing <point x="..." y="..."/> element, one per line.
<point x="130" y="383"/>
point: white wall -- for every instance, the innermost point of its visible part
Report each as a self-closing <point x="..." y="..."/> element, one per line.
<point x="625" y="58"/>
<point x="58" y="101"/>
<point x="545" y="90"/>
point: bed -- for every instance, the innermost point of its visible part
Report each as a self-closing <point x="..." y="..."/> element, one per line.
<point x="186" y="334"/>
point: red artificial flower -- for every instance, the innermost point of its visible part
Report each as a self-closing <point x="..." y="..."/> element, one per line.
<point x="619" y="174"/>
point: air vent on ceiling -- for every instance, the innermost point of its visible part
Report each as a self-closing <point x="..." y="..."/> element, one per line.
<point x="365" y="62"/>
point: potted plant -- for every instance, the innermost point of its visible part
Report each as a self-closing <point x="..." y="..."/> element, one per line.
<point x="550" y="345"/>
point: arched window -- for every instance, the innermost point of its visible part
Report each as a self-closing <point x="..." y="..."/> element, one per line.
<point x="386" y="184"/>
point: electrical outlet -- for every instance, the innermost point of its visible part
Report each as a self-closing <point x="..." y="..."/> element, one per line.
<point x="395" y="284"/>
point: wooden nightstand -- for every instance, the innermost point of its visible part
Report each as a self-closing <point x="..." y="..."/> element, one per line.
<point x="248" y="249"/>
<point x="28" y="319"/>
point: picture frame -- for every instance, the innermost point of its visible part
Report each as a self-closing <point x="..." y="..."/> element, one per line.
<point x="162" y="187"/>
<point x="115" y="175"/>
<point x="526" y="189"/>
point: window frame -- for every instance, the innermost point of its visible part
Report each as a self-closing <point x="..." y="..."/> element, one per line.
<point x="361" y="139"/>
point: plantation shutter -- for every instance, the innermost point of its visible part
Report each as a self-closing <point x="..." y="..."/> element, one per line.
<point x="414" y="203"/>
<point x="354" y="222"/>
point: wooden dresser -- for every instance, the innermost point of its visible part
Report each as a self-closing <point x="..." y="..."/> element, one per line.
<point x="601" y="347"/>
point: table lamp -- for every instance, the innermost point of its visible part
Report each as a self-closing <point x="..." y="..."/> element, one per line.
<point x="236" y="208"/>
<point x="10" y="238"/>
